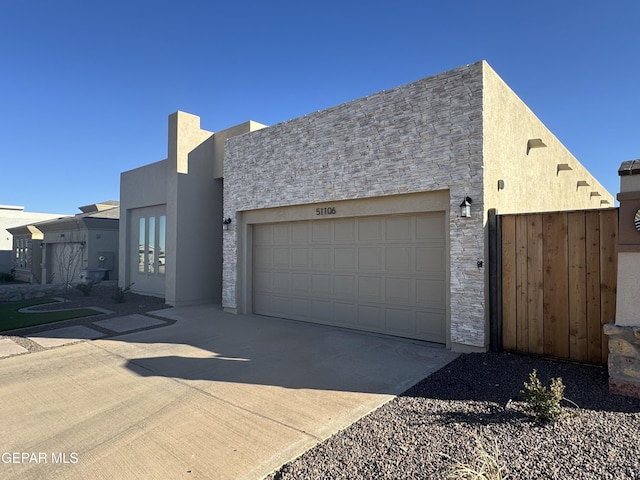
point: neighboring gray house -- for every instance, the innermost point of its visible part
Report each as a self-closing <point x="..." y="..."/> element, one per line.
<point x="350" y="216"/>
<point x="13" y="216"/>
<point x="67" y="249"/>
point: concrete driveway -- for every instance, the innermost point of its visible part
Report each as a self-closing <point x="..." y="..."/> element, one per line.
<point x="214" y="395"/>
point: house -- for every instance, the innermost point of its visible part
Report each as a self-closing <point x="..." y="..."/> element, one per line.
<point x="69" y="249"/>
<point x="12" y="216"/>
<point x="369" y="215"/>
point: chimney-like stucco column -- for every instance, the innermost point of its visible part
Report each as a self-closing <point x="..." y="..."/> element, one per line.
<point x="624" y="331"/>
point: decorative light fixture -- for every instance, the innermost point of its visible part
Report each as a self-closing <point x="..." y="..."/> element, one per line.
<point x="226" y="222"/>
<point x="465" y="207"/>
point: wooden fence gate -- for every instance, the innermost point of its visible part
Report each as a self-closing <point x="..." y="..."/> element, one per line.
<point x="558" y="275"/>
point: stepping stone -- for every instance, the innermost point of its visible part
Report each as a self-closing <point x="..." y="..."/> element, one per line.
<point x="129" y="323"/>
<point x="8" y="347"/>
<point x="65" y="335"/>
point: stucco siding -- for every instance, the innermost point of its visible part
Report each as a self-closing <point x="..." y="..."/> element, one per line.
<point x="139" y="188"/>
<point x="536" y="180"/>
<point x="421" y="137"/>
<point x="144" y="186"/>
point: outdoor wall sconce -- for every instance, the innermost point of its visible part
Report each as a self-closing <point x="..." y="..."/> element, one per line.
<point x="465" y="207"/>
<point x="226" y="222"/>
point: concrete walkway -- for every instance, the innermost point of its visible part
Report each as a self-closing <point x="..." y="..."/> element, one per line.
<point x="212" y="396"/>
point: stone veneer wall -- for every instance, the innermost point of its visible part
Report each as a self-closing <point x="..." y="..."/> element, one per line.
<point x="624" y="359"/>
<point x="424" y="136"/>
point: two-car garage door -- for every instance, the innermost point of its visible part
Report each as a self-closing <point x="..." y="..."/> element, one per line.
<point x="383" y="274"/>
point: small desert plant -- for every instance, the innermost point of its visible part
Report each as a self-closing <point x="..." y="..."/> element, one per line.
<point x="485" y="465"/>
<point x="542" y="401"/>
<point x="119" y="293"/>
<point x="85" y="288"/>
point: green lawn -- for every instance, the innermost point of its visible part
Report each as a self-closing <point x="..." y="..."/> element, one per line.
<point x="11" y="318"/>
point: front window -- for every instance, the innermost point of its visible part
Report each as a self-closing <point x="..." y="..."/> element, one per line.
<point x="151" y="245"/>
<point x="22" y="258"/>
<point x="142" y="244"/>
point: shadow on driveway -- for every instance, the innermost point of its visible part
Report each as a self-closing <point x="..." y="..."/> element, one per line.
<point x="258" y="350"/>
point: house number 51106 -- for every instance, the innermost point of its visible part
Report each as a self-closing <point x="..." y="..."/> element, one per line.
<point x="326" y="211"/>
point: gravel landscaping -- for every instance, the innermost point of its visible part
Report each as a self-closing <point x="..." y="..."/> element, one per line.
<point x="423" y="432"/>
<point x="420" y="434"/>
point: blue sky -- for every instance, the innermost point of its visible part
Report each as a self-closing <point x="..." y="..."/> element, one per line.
<point x="86" y="87"/>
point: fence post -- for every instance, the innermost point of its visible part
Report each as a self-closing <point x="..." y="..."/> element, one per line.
<point x="495" y="281"/>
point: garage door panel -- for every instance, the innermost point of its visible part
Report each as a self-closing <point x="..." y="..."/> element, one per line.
<point x="345" y="314"/>
<point x="281" y="257"/>
<point x="280" y="282"/>
<point x="399" y="321"/>
<point x="299" y="309"/>
<point x="399" y="259"/>
<point x="276" y="305"/>
<point x="384" y="274"/>
<point x="280" y="233"/>
<point x="262" y="281"/>
<point x="344" y="258"/>
<point x="263" y="236"/>
<point x="300" y="283"/>
<point x="321" y="285"/>
<point x="344" y="231"/>
<point x="345" y="286"/>
<point x="369" y="288"/>
<point x="430" y="227"/>
<point x="370" y="230"/>
<point x="430" y="292"/>
<point x="399" y="228"/>
<point x="399" y="290"/>
<point x="263" y="257"/>
<point x="321" y="258"/>
<point x="299" y="233"/>
<point x="321" y="232"/>
<point x="300" y="258"/>
<point x="430" y="259"/>
<point x="322" y="311"/>
<point x="430" y="325"/>
<point x="370" y="259"/>
<point x="371" y="317"/>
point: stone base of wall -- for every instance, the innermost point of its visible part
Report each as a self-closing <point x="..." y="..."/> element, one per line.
<point x="624" y="359"/>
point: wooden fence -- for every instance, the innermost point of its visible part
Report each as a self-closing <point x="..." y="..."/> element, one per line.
<point x="559" y="273"/>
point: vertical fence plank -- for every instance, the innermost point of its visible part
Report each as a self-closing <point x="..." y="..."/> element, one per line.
<point x="556" y="285"/>
<point x="608" y="272"/>
<point x="594" y="335"/>
<point x="577" y="287"/>
<point x="508" y="283"/>
<point x="535" y="284"/>
<point x="522" y="323"/>
<point x="559" y="274"/>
